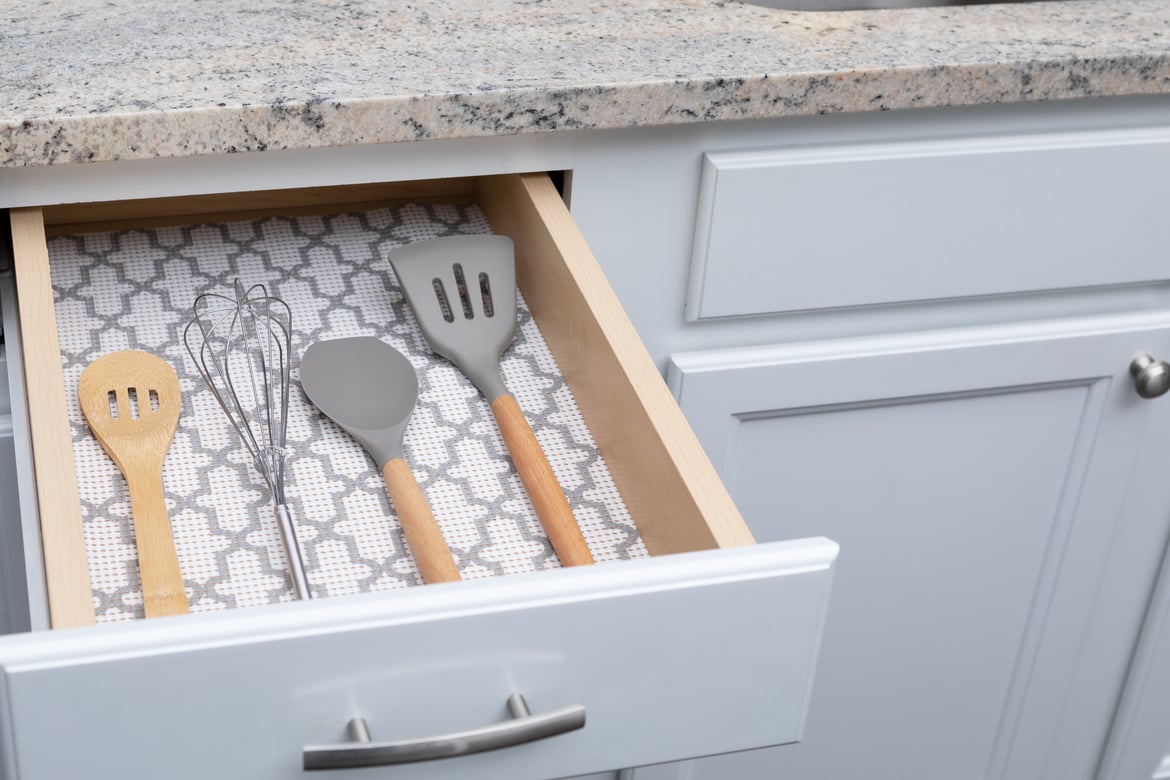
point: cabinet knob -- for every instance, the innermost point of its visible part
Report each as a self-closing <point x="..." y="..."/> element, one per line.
<point x="1151" y="378"/>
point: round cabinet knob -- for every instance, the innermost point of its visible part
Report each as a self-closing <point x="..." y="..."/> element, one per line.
<point x="1151" y="378"/>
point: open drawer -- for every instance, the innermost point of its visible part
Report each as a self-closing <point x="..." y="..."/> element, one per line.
<point x="707" y="646"/>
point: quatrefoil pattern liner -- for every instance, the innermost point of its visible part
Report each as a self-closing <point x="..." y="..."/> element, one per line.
<point x="133" y="289"/>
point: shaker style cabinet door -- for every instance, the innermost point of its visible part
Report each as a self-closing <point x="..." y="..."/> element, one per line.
<point x="976" y="481"/>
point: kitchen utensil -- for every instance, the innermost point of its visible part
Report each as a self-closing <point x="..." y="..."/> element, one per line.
<point x="242" y="347"/>
<point x="131" y="401"/>
<point x="463" y="293"/>
<point x="369" y="389"/>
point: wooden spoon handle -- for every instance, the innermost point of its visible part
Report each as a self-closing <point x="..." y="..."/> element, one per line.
<point x="426" y="541"/>
<point x="541" y="483"/>
<point x="158" y="564"/>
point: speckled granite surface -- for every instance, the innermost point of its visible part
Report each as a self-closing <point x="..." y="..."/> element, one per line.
<point x="114" y="80"/>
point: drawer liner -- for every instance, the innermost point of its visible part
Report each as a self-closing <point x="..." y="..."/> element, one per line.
<point x="134" y="289"/>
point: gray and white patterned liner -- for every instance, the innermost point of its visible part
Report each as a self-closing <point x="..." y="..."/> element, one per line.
<point x="134" y="290"/>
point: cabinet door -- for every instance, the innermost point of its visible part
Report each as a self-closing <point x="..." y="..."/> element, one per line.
<point x="975" y="480"/>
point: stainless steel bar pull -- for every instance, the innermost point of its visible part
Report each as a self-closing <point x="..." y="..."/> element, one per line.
<point x="523" y="727"/>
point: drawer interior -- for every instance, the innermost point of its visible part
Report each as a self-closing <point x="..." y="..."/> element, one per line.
<point x="664" y="478"/>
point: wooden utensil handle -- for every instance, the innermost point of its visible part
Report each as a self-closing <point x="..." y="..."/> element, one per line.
<point x="158" y="563"/>
<point x="541" y="483"/>
<point x="426" y="541"/>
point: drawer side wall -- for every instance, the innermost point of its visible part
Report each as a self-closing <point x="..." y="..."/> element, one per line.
<point x="66" y="565"/>
<point x="663" y="474"/>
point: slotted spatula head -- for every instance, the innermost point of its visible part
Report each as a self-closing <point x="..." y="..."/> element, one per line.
<point x="463" y="293"/>
<point x="365" y="386"/>
<point x="132" y="401"/>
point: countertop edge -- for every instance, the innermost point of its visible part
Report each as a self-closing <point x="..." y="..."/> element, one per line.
<point x="324" y="122"/>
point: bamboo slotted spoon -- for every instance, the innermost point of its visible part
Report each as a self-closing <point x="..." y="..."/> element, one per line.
<point x="131" y="401"/>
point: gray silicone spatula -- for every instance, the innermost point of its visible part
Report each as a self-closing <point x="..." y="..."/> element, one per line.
<point x="463" y="293"/>
<point x="369" y="389"/>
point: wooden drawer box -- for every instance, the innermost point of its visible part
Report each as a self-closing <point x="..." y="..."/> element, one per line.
<point x="706" y="647"/>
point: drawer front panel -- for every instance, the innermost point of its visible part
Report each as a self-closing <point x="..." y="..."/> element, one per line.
<point x="852" y="225"/>
<point x="678" y="656"/>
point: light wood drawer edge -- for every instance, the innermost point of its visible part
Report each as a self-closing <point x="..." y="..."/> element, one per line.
<point x="63" y="538"/>
<point x="664" y="476"/>
<point x="657" y="462"/>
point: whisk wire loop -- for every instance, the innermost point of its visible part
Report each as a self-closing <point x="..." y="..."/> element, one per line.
<point x="242" y="348"/>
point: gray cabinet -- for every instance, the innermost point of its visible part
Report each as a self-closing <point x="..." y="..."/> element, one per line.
<point x="965" y="427"/>
<point x="919" y="325"/>
<point x="979" y="481"/>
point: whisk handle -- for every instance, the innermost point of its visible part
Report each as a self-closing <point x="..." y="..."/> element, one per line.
<point x="541" y="483"/>
<point x="292" y="548"/>
<point x="426" y="541"/>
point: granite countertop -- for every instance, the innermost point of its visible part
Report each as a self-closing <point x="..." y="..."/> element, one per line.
<point x="151" y="78"/>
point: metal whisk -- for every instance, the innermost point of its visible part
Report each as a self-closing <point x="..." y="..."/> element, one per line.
<point x="242" y="347"/>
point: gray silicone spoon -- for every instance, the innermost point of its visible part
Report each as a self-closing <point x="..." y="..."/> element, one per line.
<point x="463" y="293"/>
<point x="369" y="389"/>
